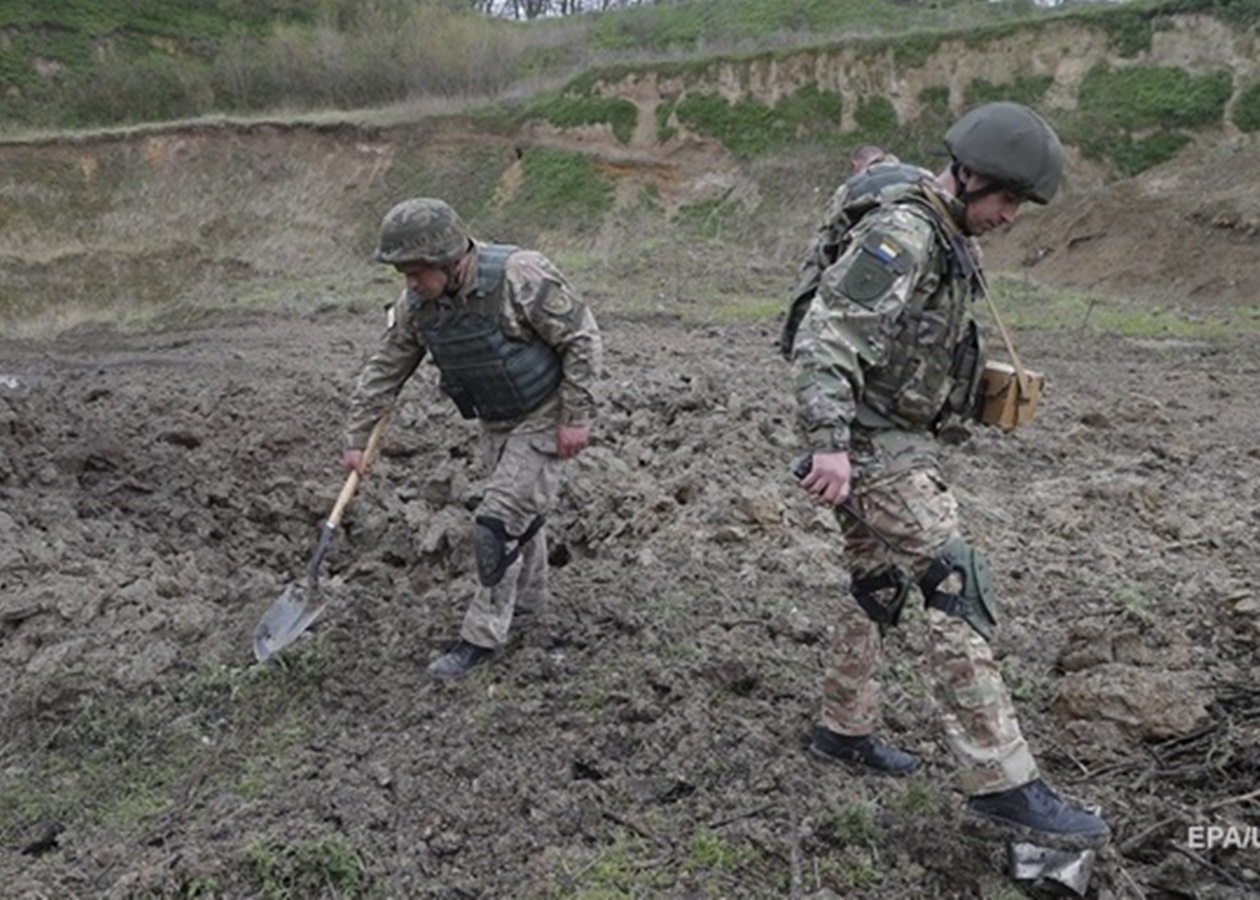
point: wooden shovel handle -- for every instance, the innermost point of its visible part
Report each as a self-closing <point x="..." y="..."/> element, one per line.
<point x="352" y="480"/>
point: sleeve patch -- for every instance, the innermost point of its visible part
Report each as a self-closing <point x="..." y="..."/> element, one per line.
<point x="879" y="262"/>
<point x="557" y="302"/>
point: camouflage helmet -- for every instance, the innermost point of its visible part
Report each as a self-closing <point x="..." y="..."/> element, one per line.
<point x="1010" y="144"/>
<point x="422" y="229"/>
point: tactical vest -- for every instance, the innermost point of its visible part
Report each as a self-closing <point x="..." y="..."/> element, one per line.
<point x="489" y="375"/>
<point x="935" y="357"/>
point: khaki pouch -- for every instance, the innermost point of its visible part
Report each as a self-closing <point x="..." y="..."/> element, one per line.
<point x="1002" y="401"/>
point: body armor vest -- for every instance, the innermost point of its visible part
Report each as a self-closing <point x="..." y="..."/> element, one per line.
<point x="489" y="375"/>
<point x="935" y="355"/>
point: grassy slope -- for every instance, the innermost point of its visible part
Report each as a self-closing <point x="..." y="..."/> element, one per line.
<point x="68" y="60"/>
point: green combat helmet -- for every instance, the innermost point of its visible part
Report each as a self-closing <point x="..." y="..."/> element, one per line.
<point x="422" y="229"/>
<point x="1010" y="144"/>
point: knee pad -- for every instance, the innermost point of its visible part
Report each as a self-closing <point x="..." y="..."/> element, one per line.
<point x="870" y="592"/>
<point x="491" y="550"/>
<point x="974" y="602"/>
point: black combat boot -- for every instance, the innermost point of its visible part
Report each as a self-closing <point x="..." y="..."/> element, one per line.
<point x="1035" y="813"/>
<point x="863" y="751"/>
<point x="462" y="657"/>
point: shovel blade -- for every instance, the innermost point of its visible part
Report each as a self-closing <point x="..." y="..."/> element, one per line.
<point x="284" y="622"/>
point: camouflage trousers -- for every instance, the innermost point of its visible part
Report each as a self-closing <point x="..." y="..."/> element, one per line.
<point x="916" y="514"/>
<point x="523" y="484"/>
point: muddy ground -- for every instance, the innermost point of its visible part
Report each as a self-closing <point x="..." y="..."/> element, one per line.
<point x="645" y="737"/>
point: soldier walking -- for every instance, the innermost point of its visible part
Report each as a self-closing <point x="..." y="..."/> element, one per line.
<point x="886" y="352"/>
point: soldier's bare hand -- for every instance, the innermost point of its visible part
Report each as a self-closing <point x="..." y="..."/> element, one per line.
<point x="572" y="440"/>
<point x="354" y="461"/>
<point x="830" y="478"/>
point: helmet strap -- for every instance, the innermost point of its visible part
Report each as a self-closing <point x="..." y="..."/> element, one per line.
<point x="966" y="196"/>
<point x="455" y="272"/>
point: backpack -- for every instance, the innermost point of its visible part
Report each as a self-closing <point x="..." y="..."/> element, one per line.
<point x="856" y="197"/>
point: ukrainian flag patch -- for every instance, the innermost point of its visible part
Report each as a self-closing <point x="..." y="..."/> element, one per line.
<point x="873" y="270"/>
<point x="885" y="248"/>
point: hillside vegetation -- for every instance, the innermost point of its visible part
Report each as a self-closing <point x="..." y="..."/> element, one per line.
<point x="658" y="170"/>
<point x="82" y="63"/>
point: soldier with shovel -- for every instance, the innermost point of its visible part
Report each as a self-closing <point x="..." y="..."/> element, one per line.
<point x="518" y="351"/>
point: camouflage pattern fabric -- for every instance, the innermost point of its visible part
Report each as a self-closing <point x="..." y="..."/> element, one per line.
<point x="534" y="299"/>
<point x="422" y="228"/>
<point x="523" y="484"/>
<point x="836" y="221"/>
<point x="916" y="513"/>
<point x="884" y="324"/>
<point x="871" y="365"/>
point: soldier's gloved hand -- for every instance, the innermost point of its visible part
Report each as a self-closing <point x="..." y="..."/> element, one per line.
<point x="572" y="440"/>
<point x="830" y="477"/>
<point x="354" y="461"/>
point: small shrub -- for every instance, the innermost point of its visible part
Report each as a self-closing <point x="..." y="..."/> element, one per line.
<point x="919" y="798"/>
<point x="854" y="825"/>
<point x="858" y="872"/>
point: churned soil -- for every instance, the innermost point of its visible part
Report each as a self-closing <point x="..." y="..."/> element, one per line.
<point x="644" y="736"/>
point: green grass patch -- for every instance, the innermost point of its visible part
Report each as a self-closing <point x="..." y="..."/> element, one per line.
<point x="1026" y="304"/>
<point x="750" y="128"/>
<point x="1246" y="112"/>
<point x="1146" y="96"/>
<point x="740" y="23"/>
<point x="1137" y="117"/>
<point x="1130" y="32"/>
<point x="706" y="218"/>
<point x="567" y="111"/>
<point x="710" y="852"/>
<point x="1242" y="13"/>
<point x="876" y="116"/>
<point x="282" y="869"/>
<point x="100" y="757"/>
<point x="853" y="824"/>
<point x="1028" y="90"/>
<point x="560" y="190"/>
<point x="1132" y="155"/>
<point x="622" y="868"/>
<point x="919" y="798"/>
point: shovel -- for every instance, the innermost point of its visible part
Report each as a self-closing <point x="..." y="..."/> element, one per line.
<point x="296" y="609"/>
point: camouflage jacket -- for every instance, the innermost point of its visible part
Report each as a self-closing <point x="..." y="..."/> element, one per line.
<point x="836" y="220"/>
<point x="889" y="341"/>
<point x="856" y="196"/>
<point x="534" y="301"/>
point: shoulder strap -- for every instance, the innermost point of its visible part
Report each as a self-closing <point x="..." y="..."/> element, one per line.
<point x="491" y="266"/>
<point x="866" y="188"/>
